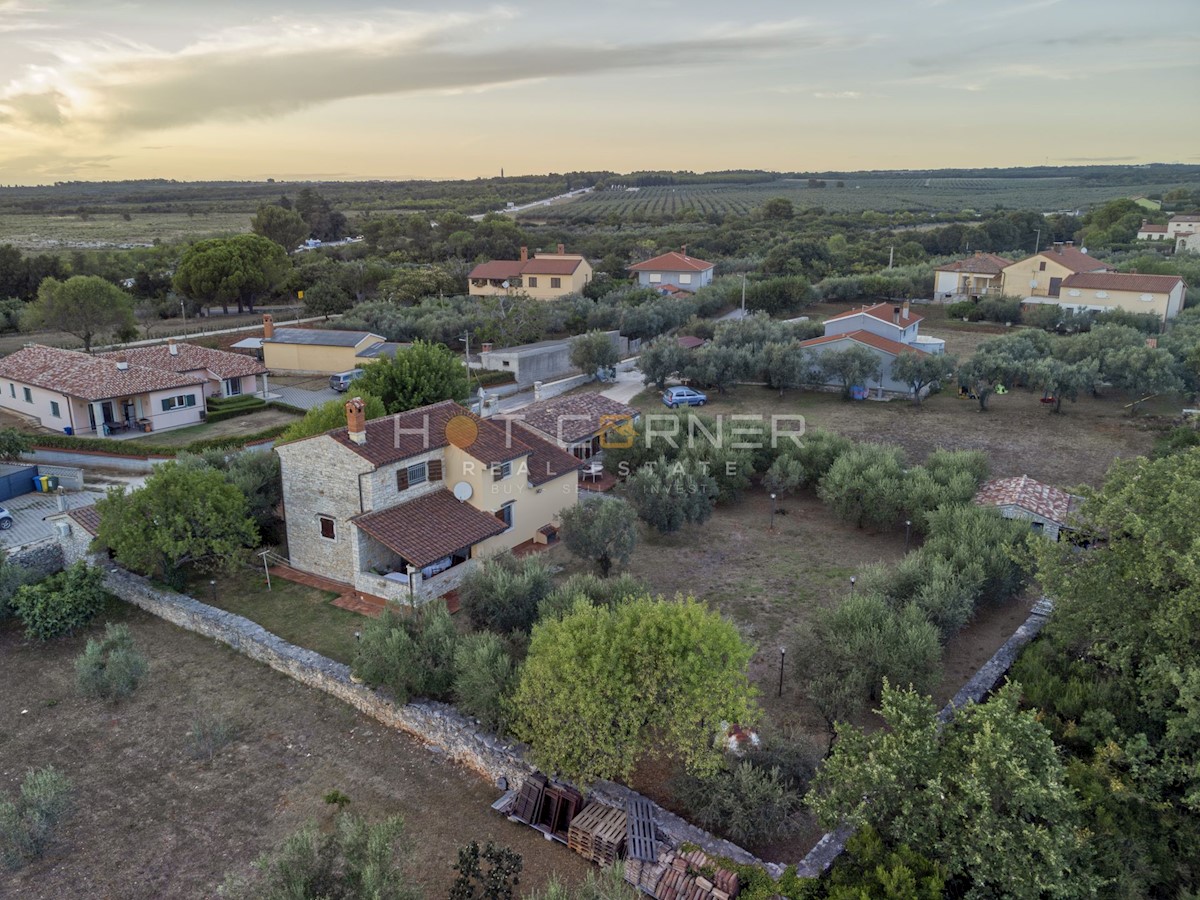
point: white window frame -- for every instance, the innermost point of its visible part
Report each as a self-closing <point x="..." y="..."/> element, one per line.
<point x="422" y="476"/>
<point x="655" y="277"/>
<point x="180" y="401"/>
<point x="685" y="277"/>
<point x="55" y="410"/>
<point x="232" y="387"/>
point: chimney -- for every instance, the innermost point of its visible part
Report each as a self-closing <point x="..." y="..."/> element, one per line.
<point x="122" y="363"/>
<point x="524" y="254"/>
<point x="486" y="347"/>
<point x="1058" y="245"/>
<point x="895" y="315"/>
<point x="978" y="253"/>
<point x="906" y="309"/>
<point x="268" y="326"/>
<point x="1070" y="243"/>
<point x="683" y="251"/>
<point x="356" y="420"/>
<point x="562" y="249"/>
<point x="172" y="347"/>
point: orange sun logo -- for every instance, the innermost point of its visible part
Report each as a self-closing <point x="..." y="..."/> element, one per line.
<point x="461" y="431"/>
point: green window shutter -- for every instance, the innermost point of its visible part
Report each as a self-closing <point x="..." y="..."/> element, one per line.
<point x="166" y="404"/>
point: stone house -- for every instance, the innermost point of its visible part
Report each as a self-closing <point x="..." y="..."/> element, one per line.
<point x="1047" y="509"/>
<point x="403" y="506"/>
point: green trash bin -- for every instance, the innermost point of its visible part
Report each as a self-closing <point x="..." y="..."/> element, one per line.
<point x="52" y="482"/>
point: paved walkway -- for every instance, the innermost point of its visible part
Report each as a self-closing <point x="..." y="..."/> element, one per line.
<point x="627" y="386"/>
<point x="301" y="398"/>
<point x="29" y="513"/>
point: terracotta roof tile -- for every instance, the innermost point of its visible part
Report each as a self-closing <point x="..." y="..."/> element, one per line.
<point x="552" y="265"/>
<point x="497" y="269"/>
<point x="429" y="528"/>
<point x="689" y="342"/>
<point x="1042" y="500"/>
<point x="863" y="337"/>
<point x="87" y="518"/>
<point x="1072" y="258"/>
<point x="1118" y="281"/>
<point x="546" y="461"/>
<point x="883" y="312"/>
<point x="87" y="377"/>
<point x="1151" y="228"/>
<point x="191" y="358"/>
<point x="979" y="264"/>
<point x="673" y="262"/>
<point x="572" y="417"/>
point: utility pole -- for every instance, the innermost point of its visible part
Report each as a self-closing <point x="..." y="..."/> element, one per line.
<point x="891" y="254"/>
<point x="743" y="295"/>
<point x="1037" y="243"/>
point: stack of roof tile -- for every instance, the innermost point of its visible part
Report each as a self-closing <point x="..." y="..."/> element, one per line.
<point x="687" y="876"/>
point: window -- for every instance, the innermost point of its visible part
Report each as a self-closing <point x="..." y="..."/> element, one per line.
<point x="685" y="277"/>
<point x="555" y="282"/>
<point x="1042" y="267"/>
<point x="28" y="395"/>
<point x="233" y="387"/>
<point x="655" y="277"/>
<point x="12" y="390"/>
<point x="533" y="281"/>
<point x="500" y="471"/>
<point x="183" y="400"/>
<point x="505" y="513"/>
<point x="408" y="476"/>
<point x="54" y="410"/>
<point x="328" y="529"/>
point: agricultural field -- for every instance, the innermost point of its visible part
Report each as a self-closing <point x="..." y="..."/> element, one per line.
<point x="883" y="194"/>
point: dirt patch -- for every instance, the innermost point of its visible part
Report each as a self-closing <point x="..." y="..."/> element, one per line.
<point x="153" y="823"/>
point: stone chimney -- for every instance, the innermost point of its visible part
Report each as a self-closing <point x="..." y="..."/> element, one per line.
<point x="122" y="363"/>
<point x="1057" y="247"/>
<point x="268" y="326"/>
<point x="356" y="420"/>
<point x="978" y="253"/>
<point x="524" y="254"/>
<point x="562" y="249"/>
<point x="906" y="309"/>
<point x="1070" y="243"/>
<point x="172" y="347"/>
<point x="486" y="347"/>
<point x="683" y="251"/>
<point x="895" y="315"/>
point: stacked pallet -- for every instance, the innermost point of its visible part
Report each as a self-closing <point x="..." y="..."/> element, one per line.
<point x="686" y="876"/>
<point x="598" y="834"/>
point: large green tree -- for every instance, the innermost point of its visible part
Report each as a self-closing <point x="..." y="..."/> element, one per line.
<point x="183" y="516"/>
<point x="238" y="269"/>
<point x="593" y="351"/>
<point x="603" y="531"/>
<point x="919" y="370"/>
<point x="865" y="485"/>
<point x="604" y="686"/>
<point x="986" y="796"/>
<point x="283" y="226"/>
<point x="423" y="374"/>
<point x="85" y="306"/>
<point x="853" y="367"/>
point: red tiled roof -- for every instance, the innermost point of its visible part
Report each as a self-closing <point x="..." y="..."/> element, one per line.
<point x="546" y="461"/>
<point x="689" y="342"/>
<point x="1118" y="281"/>
<point x="1072" y="258"/>
<point x="1151" y="228"/>
<point x="881" y="311"/>
<point x="979" y="264"/>
<point x="431" y="527"/>
<point x="87" y="518"/>
<point x="497" y="269"/>
<point x="673" y="262"/>
<point x="1190" y="218"/>
<point x="192" y="358"/>
<point x="1040" y="499"/>
<point x="572" y="417"/>
<point x="552" y="265"/>
<point x="87" y="377"/>
<point x="863" y="337"/>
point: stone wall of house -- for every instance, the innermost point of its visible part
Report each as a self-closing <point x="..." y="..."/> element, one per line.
<point x="44" y="557"/>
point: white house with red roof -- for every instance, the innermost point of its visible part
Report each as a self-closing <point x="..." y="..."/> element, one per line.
<point x="545" y="276"/>
<point x="1159" y="295"/>
<point x="887" y="330"/>
<point x="1152" y="231"/>
<point x="1183" y="225"/>
<point x="78" y="393"/>
<point x="971" y="278"/>
<point x="674" y="271"/>
<point x="225" y="374"/>
<point x="1047" y="509"/>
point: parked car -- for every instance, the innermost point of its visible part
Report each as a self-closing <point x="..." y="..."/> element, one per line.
<point x="683" y="396"/>
<point x="6" y="519"/>
<point x="341" y="381"/>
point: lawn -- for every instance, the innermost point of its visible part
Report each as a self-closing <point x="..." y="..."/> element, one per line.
<point x="251" y="423"/>
<point x="152" y="822"/>
<point x="300" y="615"/>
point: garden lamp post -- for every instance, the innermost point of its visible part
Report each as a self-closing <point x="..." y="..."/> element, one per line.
<point x="907" y="533"/>
<point x="782" y="654"/>
<point x="772" y="512"/>
<point x="212" y="587"/>
<point x="853" y="579"/>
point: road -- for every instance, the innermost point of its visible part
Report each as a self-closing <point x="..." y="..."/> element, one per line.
<point x="512" y="210"/>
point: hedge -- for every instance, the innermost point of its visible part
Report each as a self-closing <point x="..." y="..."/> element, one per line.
<point x="491" y="377"/>
<point x="140" y="448"/>
<point x="229" y="409"/>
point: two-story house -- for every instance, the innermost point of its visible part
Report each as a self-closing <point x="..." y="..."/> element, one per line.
<point x="545" y="276"/>
<point x="1042" y="274"/>
<point x="885" y="329"/>
<point x="971" y="278"/>
<point x="401" y="507"/>
<point x="674" y="270"/>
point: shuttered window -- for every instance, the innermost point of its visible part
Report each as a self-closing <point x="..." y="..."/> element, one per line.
<point x="435" y="470"/>
<point x="328" y="528"/>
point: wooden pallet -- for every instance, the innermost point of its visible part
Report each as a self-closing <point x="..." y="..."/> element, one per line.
<point x="598" y="834"/>
<point x="639" y="830"/>
<point x="529" y="801"/>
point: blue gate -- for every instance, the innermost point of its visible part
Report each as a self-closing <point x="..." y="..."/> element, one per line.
<point x="16" y="480"/>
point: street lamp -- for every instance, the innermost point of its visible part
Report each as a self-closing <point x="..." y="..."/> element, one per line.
<point x="852" y="580"/>
<point x="212" y="587"/>
<point x="782" y="654"/>
<point x="907" y="532"/>
<point x="357" y="636"/>
<point x="772" y="512"/>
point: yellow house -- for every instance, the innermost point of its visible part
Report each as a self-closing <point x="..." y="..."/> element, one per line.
<point x="320" y="351"/>
<point x="1161" y="295"/>
<point x="1042" y="274"/>
<point x="402" y="507"/>
<point x="544" y="277"/>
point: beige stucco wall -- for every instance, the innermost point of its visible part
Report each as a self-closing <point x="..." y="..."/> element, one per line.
<point x="1019" y="278"/>
<point x="313" y="358"/>
<point x="569" y="284"/>
<point x="1162" y="304"/>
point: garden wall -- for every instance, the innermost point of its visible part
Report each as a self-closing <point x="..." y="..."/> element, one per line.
<point x="42" y="558"/>
<point x="436" y="724"/>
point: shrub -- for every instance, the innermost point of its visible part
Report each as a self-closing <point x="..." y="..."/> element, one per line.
<point x="11" y="578"/>
<point x="1046" y="316"/>
<point x="1177" y="440"/>
<point x="483" y="677"/>
<point x="503" y="594"/>
<point x="964" y="309"/>
<point x="669" y="495"/>
<point x="1003" y="309"/>
<point x="497" y="883"/>
<point x="62" y="603"/>
<point x="608" y="884"/>
<point x="603" y="531"/>
<point x="111" y="668"/>
<point x="209" y="734"/>
<point x="597" y="591"/>
<point x="28" y="824"/>
<point x="816" y="454"/>
<point x="411" y="655"/>
<point x="967" y="535"/>
<point x="866" y="485"/>
<point x="870" y="869"/>
<point x="748" y="804"/>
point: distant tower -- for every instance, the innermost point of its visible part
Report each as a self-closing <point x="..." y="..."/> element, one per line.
<point x="502" y="171"/>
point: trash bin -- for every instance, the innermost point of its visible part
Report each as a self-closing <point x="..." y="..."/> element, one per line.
<point x="67" y="429"/>
<point x="51" y="482"/>
<point x="39" y="483"/>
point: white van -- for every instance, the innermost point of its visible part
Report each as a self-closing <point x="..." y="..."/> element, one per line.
<point x="341" y="381"/>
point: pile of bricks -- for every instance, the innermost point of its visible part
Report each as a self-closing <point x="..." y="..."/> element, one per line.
<point x="682" y="876"/>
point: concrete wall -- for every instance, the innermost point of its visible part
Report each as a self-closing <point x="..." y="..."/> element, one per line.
<point x="50" y="456"/>
<point x="69" y="477"/>
<point x="540" y="363"/>
<point x="543" y="390"/>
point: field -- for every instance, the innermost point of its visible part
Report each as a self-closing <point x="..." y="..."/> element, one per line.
<point x="884" y="194"/>
<point x="152" y="822"/>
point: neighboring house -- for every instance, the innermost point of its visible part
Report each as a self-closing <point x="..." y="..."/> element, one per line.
<point x="1188" y="243"/>
<point x="225" y="374"/>
<point x="1181" y="225"/>
<point x="1042" y="274"/>
<point x="540" y="361"/>
<point x="577" y="423"/>
<point x="971" y="278"/>
<point x="1151" y="231"/>
<point x="887" y="330"/>
<point x="544" y="277"/>
<point x="320" y="351"/>
<point x="674" y="269"/>
<point x="78" y="393"/>
<point x="1048" y="509"/>
<point x="74" y="530"/>
<point x="690" y="342"/>
<point x="401" y="507"/>
<point x="1161" y="295"/>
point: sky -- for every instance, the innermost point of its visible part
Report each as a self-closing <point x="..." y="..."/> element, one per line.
<point x="346" y="89"/>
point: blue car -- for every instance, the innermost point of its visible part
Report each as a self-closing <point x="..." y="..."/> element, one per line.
<point x="683" y="396"/>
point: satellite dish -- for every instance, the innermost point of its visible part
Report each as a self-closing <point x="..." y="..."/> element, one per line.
<point x="463" y="491"/>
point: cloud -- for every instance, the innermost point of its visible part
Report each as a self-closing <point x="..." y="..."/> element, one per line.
<point x="838" y="95"/>
<point x="16" y="16"/>
<point x="54" y="165"/>
<point x="109" y="86"/>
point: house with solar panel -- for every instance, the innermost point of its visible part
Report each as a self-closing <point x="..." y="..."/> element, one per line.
<point x="319" y="351"/>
